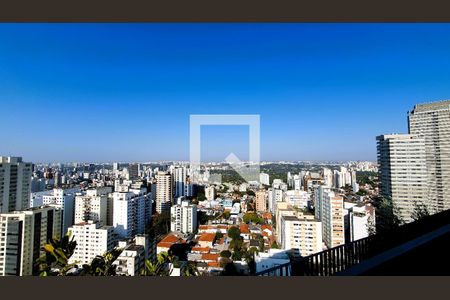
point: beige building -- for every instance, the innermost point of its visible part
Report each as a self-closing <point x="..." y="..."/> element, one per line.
<point x="261" y="200"/>
<point x="210" y="193"/>
<point x="333" y="219"/>
<point x="164" y="191"/>
<point x="302" y="234"/>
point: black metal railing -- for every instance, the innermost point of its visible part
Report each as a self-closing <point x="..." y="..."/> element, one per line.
<point x="281" y="270"/>
<point x="338" y="259"/>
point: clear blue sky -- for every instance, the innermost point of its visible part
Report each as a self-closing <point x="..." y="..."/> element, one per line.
<point x="124" y="92"/>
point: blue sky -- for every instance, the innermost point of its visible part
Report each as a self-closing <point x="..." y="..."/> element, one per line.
<point x="124" y="92"/>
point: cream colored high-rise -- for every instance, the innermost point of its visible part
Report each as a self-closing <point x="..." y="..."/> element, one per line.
<point x="164" y="191"/>
<point x="302" y="234"/>
<point x="332" y="219"/>
<point x="261" y="201"/>
<point x="431" y="122"/>
<point x="403" y="173"/>
<point x="15" y="184"/>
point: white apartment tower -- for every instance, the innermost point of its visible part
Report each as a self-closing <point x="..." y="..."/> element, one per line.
<point x="264" y="178"/>
<point x="131" y="260"/>
<point x="431" y="122"/>
<point x="183" y="218"/>
<point x="164" y="191"/>
<point x="64" y="199"/>
<point x="91" y="206"/>
<point x="131" y="213"/>
<point x="15" y="184"/>
<point x="403" y="172"/>
<point x="92" y="240"/>
<point x="180" y="177"/>
<point x="23" y="234"/>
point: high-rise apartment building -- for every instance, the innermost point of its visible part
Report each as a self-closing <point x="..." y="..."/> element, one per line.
<point x="93" y="205"/>
<point x="164" y="191"/>
<point x="92" y="239"/>
<point x="131" y="213"/>
<point x="403" y="172"/>
<point x="274" y="196"/>
<point x="264" y="178"/>
<point x="431" y="122"/>
<point x="302" y="234"/>
<point x="133" y="171"/>
<point x="210" y="193"/>
<point x="261" y="199"/>
<point x="332" y="207"/>
<point x="23" y="235"/>
<point x="183" y="218"/>
<point x="64" y="199"/>
<point x="180" y="177"/>
<point x="131" y="260"/>
<point x="15" y="184"/>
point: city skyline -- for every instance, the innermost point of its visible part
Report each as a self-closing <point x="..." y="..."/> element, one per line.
<point x="124" y="92"/>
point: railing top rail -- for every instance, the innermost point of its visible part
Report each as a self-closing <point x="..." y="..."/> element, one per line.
<point x="276" y="268"/>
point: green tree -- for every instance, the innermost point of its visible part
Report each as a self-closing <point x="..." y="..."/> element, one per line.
<point x="234" y="232"/>
<point x="55" y="260"/>
<point x="102" y="265"/>
<point x="252" y="217"/>
<point x="388" y="216"/>
<point x="420" y="211"/>
<point x="226" y="215"/>
<point x="250" y="193"/>
<point x="191" y="269"/>
<point x="158" y="268"/>
<point x="249" y="258"/>
<point x="230" y="270"/>
<point x="159" y="225"/>
<point x="218" y="236"/>
<point x="225" y="253"/>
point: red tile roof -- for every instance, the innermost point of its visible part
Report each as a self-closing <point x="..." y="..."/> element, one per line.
<point x="267" y="216"/>
<point x="170" y="239"/>
<point x="213" y="264"/>
<point x="210" y="256"/>
<point x="201" y="249"/>
<point x="207" y="237"/>
<point x="268" y="227"/>
<point x="244" y="228"/>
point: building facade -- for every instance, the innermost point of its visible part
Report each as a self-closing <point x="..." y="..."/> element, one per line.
<point x="164" y="191"/>
<point x="402" y="171"/>
<point x="15" y="184"/>
<point x="131" y="213"/>
<point x="92" y="239"/>
<point x="183" y="218"/>
<point x="431" y="122"/>
<point x="23" y="234"/>
<point x="91" y="206"/>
